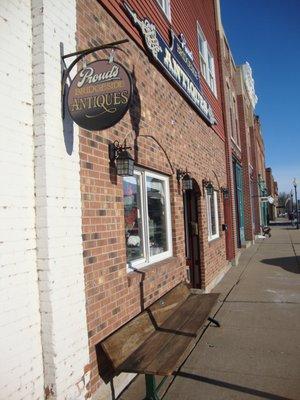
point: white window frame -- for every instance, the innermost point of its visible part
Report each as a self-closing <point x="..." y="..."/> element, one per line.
<point x="142" y="260"/>
<point x="165" y="7"/>
<point x="202" y="44"/>
<point x="207" y="61"/>
<point x="209" y="227"/>
<point x="148" y="259"/>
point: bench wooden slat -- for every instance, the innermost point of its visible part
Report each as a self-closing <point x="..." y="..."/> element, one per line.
<point x="143" y="361"/>
<point x="143" y="356"/>
<point x="173" y="353"/>
<point x="126" y="340"/>
<point x="169" y="303"/>
<point x="121" y="344"/>
<point x="163" y="351"/>
<point x="188" y="317"/>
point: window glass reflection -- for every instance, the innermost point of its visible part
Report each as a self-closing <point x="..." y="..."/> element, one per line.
<point x="133" y="221"/>
<point x="156" y="200"/>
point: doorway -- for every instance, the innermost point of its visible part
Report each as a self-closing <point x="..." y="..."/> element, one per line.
<point x="191" y="227"/>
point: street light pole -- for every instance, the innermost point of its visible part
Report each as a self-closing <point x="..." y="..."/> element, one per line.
<point x="295" y="187"/>
<point x="291" y="207"/>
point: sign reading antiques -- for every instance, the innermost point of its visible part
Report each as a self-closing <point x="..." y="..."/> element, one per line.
<point x="99" y="95"/>
<point x="176" y="61"/>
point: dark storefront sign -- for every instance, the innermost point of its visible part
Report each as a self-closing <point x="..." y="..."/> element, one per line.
<point x="176" y="61"/>
<point x="99" y="95"/>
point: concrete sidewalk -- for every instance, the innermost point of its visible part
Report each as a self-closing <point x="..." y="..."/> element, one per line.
<point x="256" y="352"/>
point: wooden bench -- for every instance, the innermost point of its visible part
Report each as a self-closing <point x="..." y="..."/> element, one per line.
<point x="157" y="340"/>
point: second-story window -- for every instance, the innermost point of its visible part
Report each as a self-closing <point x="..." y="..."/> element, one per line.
<point x="165" y="6"/>
<point x="207" y="63"/>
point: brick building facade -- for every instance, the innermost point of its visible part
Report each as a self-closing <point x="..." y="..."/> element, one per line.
<point x="84" y="250"/>
<point x="259" y="175"/>
<point x="233" y="147"/>
<point x="244" y="147"/>
<point x="159" y="114"/>
<point x="246" y="101"/>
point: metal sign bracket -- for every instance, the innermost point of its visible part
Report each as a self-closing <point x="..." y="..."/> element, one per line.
<point x="80" y="55"/>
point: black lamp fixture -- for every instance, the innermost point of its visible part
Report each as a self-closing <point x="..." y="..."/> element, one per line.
<point x="119" y="155"/>
<point x="225" y="192"/>
<point x="208" y="186"/>
<point x="187" y="181"/>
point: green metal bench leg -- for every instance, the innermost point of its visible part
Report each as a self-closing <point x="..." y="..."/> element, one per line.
<point x="151" y="393"/>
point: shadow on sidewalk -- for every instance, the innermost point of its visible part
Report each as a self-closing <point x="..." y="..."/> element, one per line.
<point x="290" y="264"/>
<point x="231" y="386"/>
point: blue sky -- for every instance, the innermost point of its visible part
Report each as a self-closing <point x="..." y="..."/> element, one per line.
<point x="266" y="33"/>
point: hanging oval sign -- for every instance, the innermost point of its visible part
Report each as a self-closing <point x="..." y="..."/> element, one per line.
<point x="99" y="95"/>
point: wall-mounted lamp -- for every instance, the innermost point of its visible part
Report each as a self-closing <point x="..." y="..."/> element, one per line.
<point x="208" y="186"/>
<point x="225" y="192"/>
<point x="187" y="181"/>
<point x="119" y="155"/>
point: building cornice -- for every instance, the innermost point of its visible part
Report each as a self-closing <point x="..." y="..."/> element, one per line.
<point x="249" y="83"/>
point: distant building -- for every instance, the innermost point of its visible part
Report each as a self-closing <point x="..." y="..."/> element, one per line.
<point x="272" y="190"/>
<point x="259" y="177"/>
<point x="246" y="102"/>
<point x="236" y="227"/>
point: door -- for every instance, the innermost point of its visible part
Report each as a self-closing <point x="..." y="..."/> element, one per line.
<point x="192" y="247"/>
<point x="238" y="175"/>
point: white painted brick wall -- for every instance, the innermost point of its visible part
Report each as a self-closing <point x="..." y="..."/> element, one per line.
<point x="21" y="366"/>
<point x="43" y="332"/>
<point x="58" y="208"/>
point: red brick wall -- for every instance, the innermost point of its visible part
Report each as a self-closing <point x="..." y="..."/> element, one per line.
<point x="258" y="154"/>
<point x="113" y="295"/>
<point x="184" y="17"/>
<point x="232" y="149"/>
<point x="259" y="148"/>
<point x="255" y="187"/>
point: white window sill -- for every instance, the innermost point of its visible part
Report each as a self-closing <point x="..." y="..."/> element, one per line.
<point x="139" y="264"/>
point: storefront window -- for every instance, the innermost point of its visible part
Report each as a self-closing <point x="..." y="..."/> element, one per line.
<point x="147" y="218"/>
<point x="212" y="215"/>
